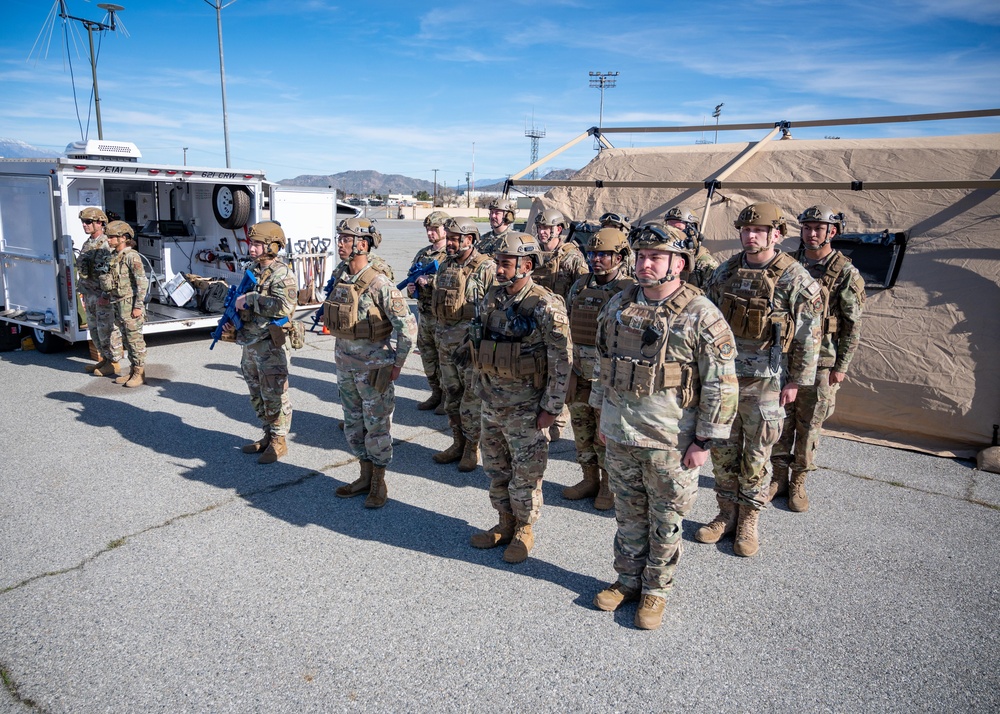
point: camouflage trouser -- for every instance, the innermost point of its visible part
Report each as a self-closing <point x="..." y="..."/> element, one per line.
<point x="101" y="325"/>
<point x="265" y="370"/>
<point x="459" y="384"/>
<point x="427" y="344"/>
<point x="367" y="416"/>
<point x="130" y="330"/>
<point x="804" y="425"/>
<point x="589" y="449"/>
<point x="742" y="463"/>
<point x="514" y="455"/>
<point x="653" y="493"/>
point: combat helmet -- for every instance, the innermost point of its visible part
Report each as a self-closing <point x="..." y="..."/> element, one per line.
<point x="360" y="228"/>
<point x="507" y="205"/>
<point x="462" y="226"/>
<point x="119" y="228"/>
<point x="615" y="220"/>
<point x="519" y="245"/>
<point x="435" y="219"/>
<point x="660" y="236"/>
<point x="682" y="214"/>
<point x="551" y="217"/>
<point x="823" y="214"/>
<point x="606" y="240"/>
<point x="270" y="234"/>
<point x="762" y="214"/>
<point x="93" y="213"/>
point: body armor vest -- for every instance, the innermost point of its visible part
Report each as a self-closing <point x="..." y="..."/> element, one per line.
<point x="587" y="305"/>
<point x="548" y="276"/>
<point x="748" y="303"/>
<point x="827" y="281"/>
<point x="340" y="311"/>
<point x="448" y="302"/>
<point x="637" y="348"/>
<point x="500" y="351"/>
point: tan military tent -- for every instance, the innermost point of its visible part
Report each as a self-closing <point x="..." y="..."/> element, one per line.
<point x="926" y="375"/>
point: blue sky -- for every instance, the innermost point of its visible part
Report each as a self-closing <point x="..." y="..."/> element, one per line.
<point x="317" y="86"/>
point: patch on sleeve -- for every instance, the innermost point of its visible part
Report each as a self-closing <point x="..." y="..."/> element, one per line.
<point x="397" y="305"/>
<point x="812" y="288"/>
<point x="858" y="288"/>
<point x="725" y="348"/>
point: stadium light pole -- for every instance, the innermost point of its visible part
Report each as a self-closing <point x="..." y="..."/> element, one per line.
<point x="602" y="81"/>
<point x="219" y="7"/>
<point x="717" y="113"/>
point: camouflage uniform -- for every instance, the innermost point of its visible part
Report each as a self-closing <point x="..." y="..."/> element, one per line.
<point x="459" y="383"/>
<point x="704" y="265"/>
<point x="489" y="242"/>
<point x="583" y="326"/>
<point x="514" y="450"/>
<point x="427" y="323"/>
<point x="649" y="428"/>
<point x="362" y="362"/>
<point x="100" y="317"/>
<point x="126" y="284"/>
<point x="265" y="364"/>
<point x="741" y="463"/>
<point x="844" y="289"/>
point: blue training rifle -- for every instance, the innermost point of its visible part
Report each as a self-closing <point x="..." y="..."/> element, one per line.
<point x="230" y="314"/>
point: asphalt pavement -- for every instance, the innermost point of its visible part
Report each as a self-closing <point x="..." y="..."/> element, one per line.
<point x="147" y="565"/>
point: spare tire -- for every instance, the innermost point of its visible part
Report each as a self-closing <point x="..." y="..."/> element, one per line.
<point x="231" y="205"/>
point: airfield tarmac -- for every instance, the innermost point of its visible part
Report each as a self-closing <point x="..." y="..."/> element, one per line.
<point x="147" y="565"/>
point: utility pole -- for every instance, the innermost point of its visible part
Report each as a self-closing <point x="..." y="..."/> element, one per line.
<point x="219" y="7"/>
<point x="468" y="191"/>
<point x="716" y="113"/>
<point x="602" y="81"/>
<point x="185" y="150"/>
<point x="92" y="25"/>
<point x="435" y="203"/>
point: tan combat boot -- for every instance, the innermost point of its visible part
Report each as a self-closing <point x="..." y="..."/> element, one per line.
<point x="377" y="492"/>
<point x="614" y="596"/>
<point x="649" y="616"/>
<point x="359" y="486"/>
<point x="500" y="534"/>
<point x="96" y="365"/>
<point x="274" y="451"/>
<point x="432" y="401"/>
<point x="439" y="410"/>
<point x="124" y="377"/>
<point x="454" y="452"/>
<point x="779" y="482"/>
<point x="747" y="544"/>
<point x="605" y="499"/>
<point x="109" y="369"/>
<point x="261" y="444"/>
<point x="521" y="545"/>
<point x="797" y="499"/>
<point x="587" y="488"/>
<point x="721" y="526"/>
<point x="136" y="378"/>
<point x="470" y="456"/>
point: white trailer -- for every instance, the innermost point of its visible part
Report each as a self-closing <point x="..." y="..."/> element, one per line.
<point x="187" y="220"/>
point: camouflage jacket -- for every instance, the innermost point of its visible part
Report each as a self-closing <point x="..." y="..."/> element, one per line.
<point x="426" y="255"/>
<point x="697" y="337"/>
<point x="272" y="298"/>
<point x="125" y="277"/>
<point x="796" y="297"/>
<point x="86" y="278"/>
<point x="561" y="268"/>
<point x="549" y="334"/>
<point x="845" y="300"/>
<point x="476" y="286"/>
<point x="704" y="265"/>
<point x="586" y="357"/>
<point x="488" y="243"/>
<point x="369" y="354"/>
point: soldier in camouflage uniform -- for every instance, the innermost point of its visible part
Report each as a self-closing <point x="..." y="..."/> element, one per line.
<point x="667" y="386"/>
<point x="614" y="219"/>
<point x="606" y="250"/>
<point x="363" y="311"/>
<point x="265" y="350"/>
<point x="123" y="278"/>
<point x="562" y="265"/>
<point x="705" y="263"/>
<point x="523" y="358"/>
<point x="100" y="316"/>
<point x="774" y="309"/>
<point x="844" y="300"/>
<point x="421" y="288"/>
<point x="461" y="282"/>
<point x="503" y="211"/>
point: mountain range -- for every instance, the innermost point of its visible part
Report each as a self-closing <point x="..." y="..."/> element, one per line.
<point x="361" y="183"/>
